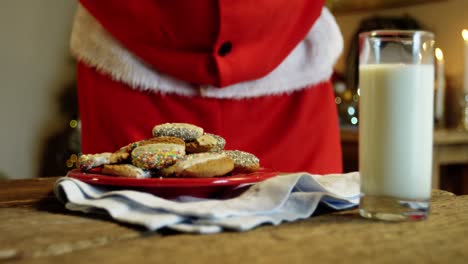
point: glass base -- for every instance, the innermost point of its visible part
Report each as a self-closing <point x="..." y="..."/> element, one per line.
<point x="393" y="209"/>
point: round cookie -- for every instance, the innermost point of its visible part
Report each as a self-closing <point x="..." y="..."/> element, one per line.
<point x="126" y="170"/>
<point x="89" y="161"/>
<point x="206" y="143"/>
<point x="243" y="161"/>
<point x="203" y="165"/>
<point x="157" y="156"/>
<point x="187" y="132"/>
<point x="130" y="147"/>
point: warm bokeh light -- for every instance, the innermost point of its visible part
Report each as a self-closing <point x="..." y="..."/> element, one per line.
<point x="356" y="98"/>
<point x="337" y="100"/>
<point x="439" y="54"/>
<point x="348" y="95"/>
<point x="73" y="123"/>
<point x="74" y="157"/>
<point x="465" y="34"/>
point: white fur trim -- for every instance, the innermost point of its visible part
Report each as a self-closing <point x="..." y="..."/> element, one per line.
<point x="311" y="62"/>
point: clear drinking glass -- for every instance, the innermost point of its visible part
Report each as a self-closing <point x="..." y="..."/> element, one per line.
<point x="396" y="82"/>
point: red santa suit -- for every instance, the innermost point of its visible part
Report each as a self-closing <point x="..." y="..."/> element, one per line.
<point x="256" y="73"/>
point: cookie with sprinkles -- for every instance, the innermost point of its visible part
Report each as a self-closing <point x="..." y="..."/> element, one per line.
<point x="203" y="165"/>
<point x="243" y="161"/>
<point x="157" y="156"/>
<point x="125" y="170"/>
<point x="187" y="132"/>
<point x="89" y="161"/>
<point x="130" y="147"/>
<point x="206" y="143"/>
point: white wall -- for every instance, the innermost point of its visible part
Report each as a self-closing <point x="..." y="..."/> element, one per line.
<point x="446" y="19"/>
<point x="34" y="67"/>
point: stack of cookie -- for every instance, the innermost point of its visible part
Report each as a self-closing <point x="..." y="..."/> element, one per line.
<point x="176" y="150"/>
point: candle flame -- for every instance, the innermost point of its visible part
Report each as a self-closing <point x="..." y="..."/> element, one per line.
<point x="465" y="34"/>
<point x="439" y="54"/>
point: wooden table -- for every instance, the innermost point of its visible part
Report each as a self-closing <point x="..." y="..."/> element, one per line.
<point x="450" y="147"/>
<point x="35" y="228"/>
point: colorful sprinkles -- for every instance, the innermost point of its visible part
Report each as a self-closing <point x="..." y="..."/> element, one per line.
<point x="130" y="147"/>
<point x="175" y="150"/>
<point x="157" y="156"/>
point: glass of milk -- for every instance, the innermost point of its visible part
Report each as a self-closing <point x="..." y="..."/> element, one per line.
<point x="396" y="82"/>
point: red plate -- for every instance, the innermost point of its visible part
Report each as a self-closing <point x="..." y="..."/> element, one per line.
<point x="172" y="187"/>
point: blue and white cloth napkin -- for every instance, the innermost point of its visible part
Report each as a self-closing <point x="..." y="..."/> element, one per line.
<point x="282" y="198"/>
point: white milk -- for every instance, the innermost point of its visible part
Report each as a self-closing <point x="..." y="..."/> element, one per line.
<point x="395" y="130"/>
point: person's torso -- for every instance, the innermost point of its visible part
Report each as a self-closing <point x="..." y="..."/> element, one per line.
<point x="208" y="42"/>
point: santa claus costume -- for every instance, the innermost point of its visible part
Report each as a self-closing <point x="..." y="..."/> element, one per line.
<point x="255" y="72"/>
